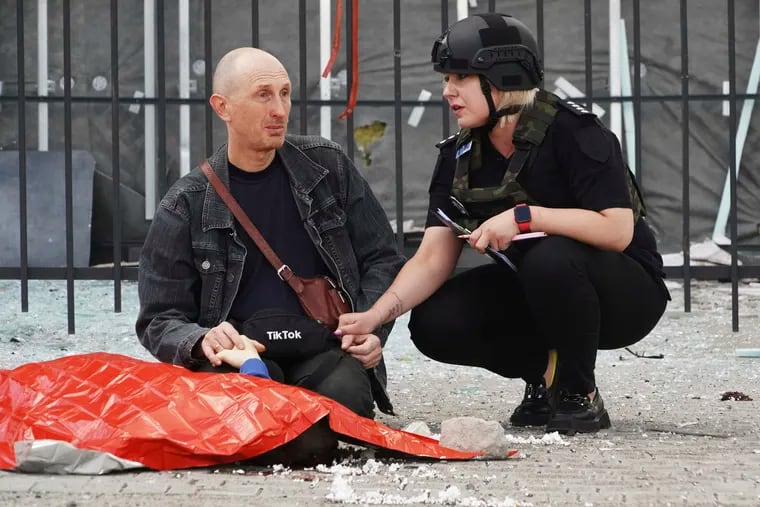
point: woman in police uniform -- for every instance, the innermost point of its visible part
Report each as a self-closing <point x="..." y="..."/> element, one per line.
<point x="524" y="160"/>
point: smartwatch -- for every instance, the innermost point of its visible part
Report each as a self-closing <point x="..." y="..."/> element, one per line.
<point x="522" y="217"/>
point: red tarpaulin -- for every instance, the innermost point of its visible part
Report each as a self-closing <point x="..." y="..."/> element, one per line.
<point x="167" y="417"/>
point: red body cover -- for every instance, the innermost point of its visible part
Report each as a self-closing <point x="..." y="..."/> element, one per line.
<point x="167" y="417"/>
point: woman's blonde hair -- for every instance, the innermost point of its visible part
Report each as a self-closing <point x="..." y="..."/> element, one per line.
<point x="514" y="97"/>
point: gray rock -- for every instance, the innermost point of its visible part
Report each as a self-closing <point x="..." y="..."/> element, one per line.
<point x="474" y="434"/>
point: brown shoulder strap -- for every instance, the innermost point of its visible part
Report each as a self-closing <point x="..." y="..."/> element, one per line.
<point x="283" y="270"/>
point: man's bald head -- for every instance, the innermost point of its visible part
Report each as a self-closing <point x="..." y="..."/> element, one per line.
<point x="243" y="63"/>
<point x="252" y="97"/>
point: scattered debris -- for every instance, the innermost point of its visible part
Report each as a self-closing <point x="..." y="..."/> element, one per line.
<point x="553" y="438"/>
<point x="677" y="431"/>
<point x="747" y="352"/>
<point x="734" y="396"/>
<point x="341" y="491"/>
<point x="419" y="428"/>
<point x="645" y="356"/>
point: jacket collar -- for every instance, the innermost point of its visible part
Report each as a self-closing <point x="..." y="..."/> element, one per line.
<point x="304" y="175"/>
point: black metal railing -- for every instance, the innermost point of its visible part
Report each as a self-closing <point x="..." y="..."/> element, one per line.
<point x="119" y="272"/>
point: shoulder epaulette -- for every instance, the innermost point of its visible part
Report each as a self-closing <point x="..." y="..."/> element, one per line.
<point x="444" y="142"/>
<point x="574" y="108"/>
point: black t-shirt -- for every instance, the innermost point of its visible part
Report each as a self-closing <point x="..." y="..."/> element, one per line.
<point x="578" y="165"/>
<point x="267" y="199"/>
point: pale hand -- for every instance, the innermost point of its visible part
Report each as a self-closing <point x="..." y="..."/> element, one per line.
<point x="222" y="337"/>
<point x="235" y="357"/>
<point x="364" y="347"/>
<point x="496" y="232"/>
<point x="357" y="323"/>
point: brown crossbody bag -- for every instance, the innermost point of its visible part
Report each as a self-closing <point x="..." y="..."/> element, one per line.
<point x="320" y="297"/>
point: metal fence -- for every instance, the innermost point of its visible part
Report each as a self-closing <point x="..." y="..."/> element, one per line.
<point x="160" y="102"/>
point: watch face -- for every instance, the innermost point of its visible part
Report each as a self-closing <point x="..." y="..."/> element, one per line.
<point x="522" y="214"/>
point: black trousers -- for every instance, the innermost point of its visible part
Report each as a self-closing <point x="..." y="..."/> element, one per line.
<point x="567" y="296"/>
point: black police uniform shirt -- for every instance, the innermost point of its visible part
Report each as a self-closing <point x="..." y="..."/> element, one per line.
<point x="267" y="199"/>
<point x="578" y="165"/>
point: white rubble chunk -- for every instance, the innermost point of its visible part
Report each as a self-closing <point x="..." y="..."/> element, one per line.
<point x="419" y="428"/>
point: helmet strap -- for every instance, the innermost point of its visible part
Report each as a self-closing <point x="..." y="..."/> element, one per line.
<point x="493" y="114"/>
<point x="493" y="117"/>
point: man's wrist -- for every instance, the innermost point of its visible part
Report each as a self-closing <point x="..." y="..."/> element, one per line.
<point x="197" y="351"/>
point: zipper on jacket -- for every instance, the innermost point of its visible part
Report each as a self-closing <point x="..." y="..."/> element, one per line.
<point x="337" y="271"/>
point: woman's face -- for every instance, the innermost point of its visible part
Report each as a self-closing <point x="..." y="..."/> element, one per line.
<point x="466" y="99"/>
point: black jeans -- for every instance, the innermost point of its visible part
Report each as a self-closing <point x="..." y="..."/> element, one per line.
<point x="567" y="296"/>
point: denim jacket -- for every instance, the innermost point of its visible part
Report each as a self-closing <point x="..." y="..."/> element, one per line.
<point x="192" y="259"/>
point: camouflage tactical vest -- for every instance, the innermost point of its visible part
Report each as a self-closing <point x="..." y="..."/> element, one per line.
<point x="479" y="204"/>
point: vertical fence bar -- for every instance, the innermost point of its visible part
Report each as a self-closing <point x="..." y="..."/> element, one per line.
<point x="685" y="195"/>
<point x="325" y="89"/>
<point x="491" y="5"/>
<point x="398" y="123"/>
<point x="587" y="39"/>
<point x="732" y="163"/>
<point x="614" y="83"/>
<point x="255" y="23"/>
<point x="43" y="118"/>
<point x="21" y="144"/>
<point x="445" y="120"/>
<point x="349" y="77"/>
<point x="626" y="91"/>
<point x="207" y="77"/>
<point x="161" y="161"/>
<point x="183" y="85"/>
<point x="68" y="174"/>
<point x="149" y="82"/>
<point x="540" y="28"/>
<point x="303" y="110"/>
<point x="637" y="87"/>
<point x="115" y="166"/>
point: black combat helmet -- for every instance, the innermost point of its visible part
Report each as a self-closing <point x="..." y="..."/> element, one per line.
<point x="497" y="46"/>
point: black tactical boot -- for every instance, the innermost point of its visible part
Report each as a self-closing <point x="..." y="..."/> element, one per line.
<point x="575" y="413"/>
<point x="534" y="409"/>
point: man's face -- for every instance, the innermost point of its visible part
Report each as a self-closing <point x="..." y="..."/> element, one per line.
<point x="259" y="107"/>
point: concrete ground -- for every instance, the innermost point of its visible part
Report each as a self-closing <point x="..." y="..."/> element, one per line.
<point x="672" y="442"/>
